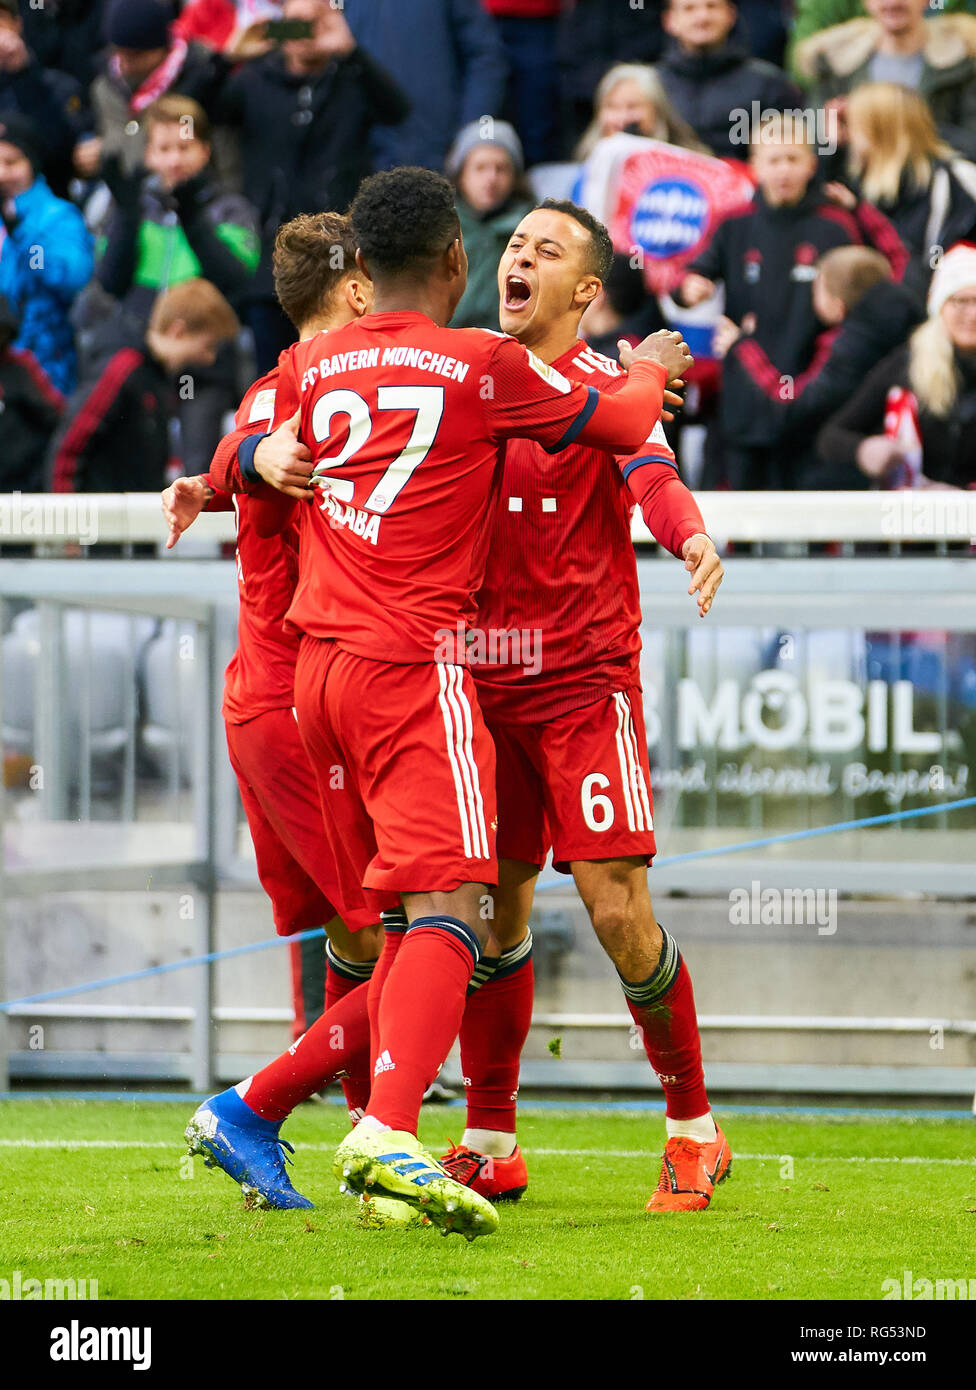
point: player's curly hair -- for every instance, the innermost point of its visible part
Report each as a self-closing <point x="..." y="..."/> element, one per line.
<point x="601" y="247"/>
<point x="403" y="219"/>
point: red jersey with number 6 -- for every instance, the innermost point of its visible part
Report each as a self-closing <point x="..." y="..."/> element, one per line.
<point x="405" y="420"/>
<point x="559" y="612"/>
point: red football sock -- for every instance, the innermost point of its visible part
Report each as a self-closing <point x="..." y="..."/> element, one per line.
<point x="497" y="1018"/>
<point x="391" y="945"/>
<point x="341" y="978"/>
<point x="338" y="1042"/>
<point x="419" y="1015"/>
<point x="297" y="991"/>
<point x="663" y="1007"/>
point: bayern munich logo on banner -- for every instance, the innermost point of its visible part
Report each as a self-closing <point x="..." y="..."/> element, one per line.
<point x="666" y="202"/>
<point x="669" y="217"/>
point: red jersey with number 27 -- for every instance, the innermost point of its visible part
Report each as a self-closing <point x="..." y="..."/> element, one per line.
<point x="405" y="421"/>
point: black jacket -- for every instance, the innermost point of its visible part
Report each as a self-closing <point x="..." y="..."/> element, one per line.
<point x="796" y="407"/>
<point x="948" y="445"/>
<point x="116" y="432"/>
<point x="30" y="408"/>
<point x="143" y="251"/>
<point x="67" y="35"/>
<point x="55" y="105"/>
<point x="305" y="144"/>
<point x="765" y="257"/>
<point x="930" y="220"/>
<point x="706" y="89"/>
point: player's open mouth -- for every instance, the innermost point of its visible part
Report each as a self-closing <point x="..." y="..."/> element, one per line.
<point x="518" y="293"/>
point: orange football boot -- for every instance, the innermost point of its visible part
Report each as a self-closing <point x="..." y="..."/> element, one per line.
<point x="498" y="1179"/>
<point x="690" y="1172"/>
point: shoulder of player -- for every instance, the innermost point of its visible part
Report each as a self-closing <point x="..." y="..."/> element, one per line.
<point x="483" y="342"/>
<point x="258" y="401"/>
<point x="592" y="368"/>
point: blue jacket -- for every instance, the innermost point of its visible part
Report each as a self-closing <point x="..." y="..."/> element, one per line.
<point x="446" y="55"/>
<point x="44" y="261"/>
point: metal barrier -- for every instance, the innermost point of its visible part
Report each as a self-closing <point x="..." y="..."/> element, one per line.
<point x="709" y="689"/>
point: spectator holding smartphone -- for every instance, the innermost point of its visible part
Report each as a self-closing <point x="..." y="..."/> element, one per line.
<point x="304" y="113"/>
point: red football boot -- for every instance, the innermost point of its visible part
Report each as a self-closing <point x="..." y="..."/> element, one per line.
<point x="690" y="1172"/>
<point x="498" y="1179"/>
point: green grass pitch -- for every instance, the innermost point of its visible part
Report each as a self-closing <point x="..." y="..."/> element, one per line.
<point x="815" y="1208"/>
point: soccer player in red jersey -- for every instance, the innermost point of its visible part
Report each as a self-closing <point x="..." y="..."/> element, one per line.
<point x="319" y="287"/>
<point x="567" y="723"/>
<point x="405" y="419"/>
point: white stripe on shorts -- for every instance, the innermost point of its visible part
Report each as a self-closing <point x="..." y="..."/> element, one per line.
<point x="638" y="785"/>
<point x="464" y="769"/>
<point x="481" y="837"/>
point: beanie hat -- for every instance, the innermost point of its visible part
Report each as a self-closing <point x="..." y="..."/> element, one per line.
<point x="955" y="271"/>
<point x="17" y="130"/>
<point x="485" y="131"/>
<point x="138" y="24"/>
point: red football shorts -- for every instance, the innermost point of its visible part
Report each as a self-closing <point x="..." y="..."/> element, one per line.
<point x="579" y="785"/>
<point x="295" y="860"/>
<point x="405" y="767"/>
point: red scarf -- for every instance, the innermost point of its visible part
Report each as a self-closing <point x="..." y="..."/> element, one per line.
<point x="159" y="80"/>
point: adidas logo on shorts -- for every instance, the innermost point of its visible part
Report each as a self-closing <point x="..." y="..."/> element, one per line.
<point x="384" y="1062"/>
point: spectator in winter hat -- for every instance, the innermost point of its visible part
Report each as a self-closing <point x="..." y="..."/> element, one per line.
<point x="485" y="165"/>
<point x="144" y="62"/>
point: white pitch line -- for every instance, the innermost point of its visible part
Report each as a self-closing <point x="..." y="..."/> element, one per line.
<point x="648" y="1155"/>
<point x="756" y="1158"/>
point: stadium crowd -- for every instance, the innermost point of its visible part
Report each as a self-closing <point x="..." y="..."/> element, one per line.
<point x="149" y="152"/>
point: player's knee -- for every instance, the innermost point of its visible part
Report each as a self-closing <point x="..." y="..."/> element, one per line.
<point x="612" y="921"/>
<point x="358" y="946"/>
<point x="622" y="921"/>
<point x="507" y="929"/>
